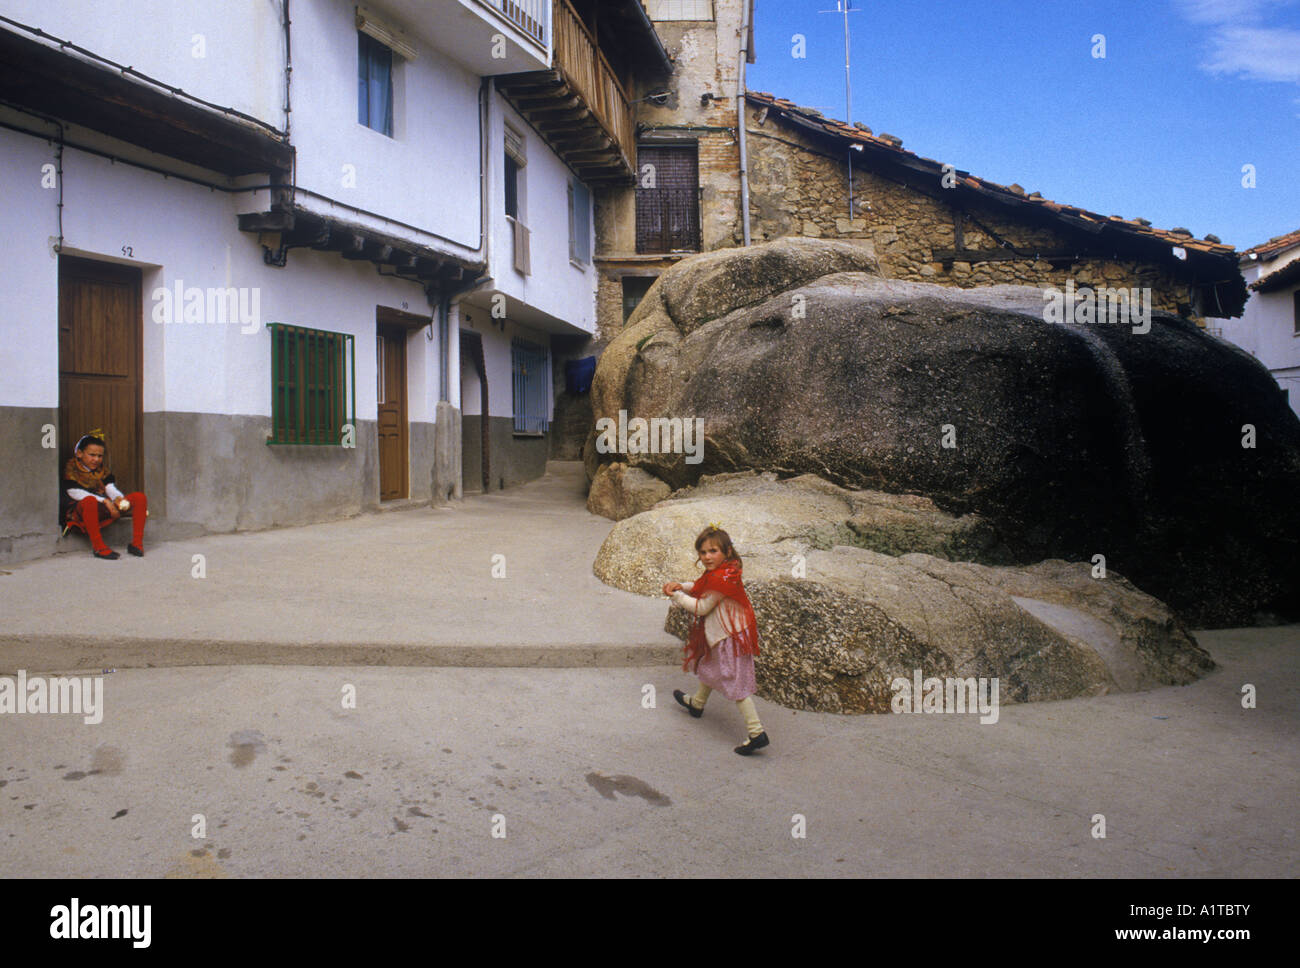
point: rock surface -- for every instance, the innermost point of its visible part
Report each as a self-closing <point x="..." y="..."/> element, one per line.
<point x="619" y="491"/>
<point x="837" y="626"/>
<point x="1070" y="440"/>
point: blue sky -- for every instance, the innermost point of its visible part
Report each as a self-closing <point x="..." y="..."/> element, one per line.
<point x="1189" y="91"/>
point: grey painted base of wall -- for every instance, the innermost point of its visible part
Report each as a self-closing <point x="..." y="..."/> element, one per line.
<point x="447" y="474"/>
<point x="203" y="474"/>
<point x="514" y="459"/>
<point x="29" y="482"/>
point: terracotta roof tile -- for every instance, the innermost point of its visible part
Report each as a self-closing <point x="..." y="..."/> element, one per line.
<point x="1274" y="246"/>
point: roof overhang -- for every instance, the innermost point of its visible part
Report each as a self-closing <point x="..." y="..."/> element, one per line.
<point x="1288" y="275"/>
<point x="49" y="81"/>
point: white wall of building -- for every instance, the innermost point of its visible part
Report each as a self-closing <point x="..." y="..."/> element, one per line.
<point x="1266" y="328"/>
<point x="229" y="53"/>
<point x="556" y="286"/>
<point x="29" y="305"/>
<point x="178" y="232"/>
<point x="427" y="174"/>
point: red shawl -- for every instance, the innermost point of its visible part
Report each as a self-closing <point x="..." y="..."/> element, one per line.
<point x="725" y="580"/>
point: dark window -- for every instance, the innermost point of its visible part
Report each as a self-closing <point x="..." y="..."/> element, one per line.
<point x="667" y="199"/>
<point x="634" y="290"/>
<point x="512" y="186"/>
<point x="374" y="85"/>
<point x="1295" y="296"/>
<point x="312" y="376"/>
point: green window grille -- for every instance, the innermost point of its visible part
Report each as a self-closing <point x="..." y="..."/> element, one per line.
<point x="313" y="385"/>
<point x="531" y="385"/>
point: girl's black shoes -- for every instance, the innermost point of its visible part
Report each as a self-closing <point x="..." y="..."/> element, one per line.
<point x="753" y="744"/>
<point x="690" y="708"/>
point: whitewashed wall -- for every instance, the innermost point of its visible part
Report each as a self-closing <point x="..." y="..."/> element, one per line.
<point x="229" y="53"/>
<point x="29" y="303"/>
<point x="179" y="231"/>
<point x="427" y="175"/>
<point x="1266" y="328"/>
<point x="556" y="286"/>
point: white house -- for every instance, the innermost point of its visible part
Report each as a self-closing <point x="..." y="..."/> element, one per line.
<point x="1269" y="327"/>
<point x="213" y="212"/>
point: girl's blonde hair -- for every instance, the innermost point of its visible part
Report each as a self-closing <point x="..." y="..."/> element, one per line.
<point x="724" y="542"/>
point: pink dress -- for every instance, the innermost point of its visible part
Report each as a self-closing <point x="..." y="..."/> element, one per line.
<point x="724" y="670"/>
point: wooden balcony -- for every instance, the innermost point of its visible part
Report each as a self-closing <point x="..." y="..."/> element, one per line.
<point x="579" y="106"/>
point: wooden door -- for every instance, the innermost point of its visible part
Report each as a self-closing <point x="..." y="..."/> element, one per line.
<point x="390" y="382"/>
<point x="100" y="362"/>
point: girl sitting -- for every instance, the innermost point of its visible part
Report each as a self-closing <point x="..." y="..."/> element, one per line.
<point x="89" y="496"/>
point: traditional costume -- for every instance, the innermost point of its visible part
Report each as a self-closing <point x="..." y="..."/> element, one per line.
<point x="84" y="495"/>
<point x="723" y="640"/>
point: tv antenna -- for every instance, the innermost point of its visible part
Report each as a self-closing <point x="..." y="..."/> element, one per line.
<point x="845" y="7"/>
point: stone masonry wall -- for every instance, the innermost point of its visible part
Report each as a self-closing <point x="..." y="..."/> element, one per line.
<point x="797" y="188"/>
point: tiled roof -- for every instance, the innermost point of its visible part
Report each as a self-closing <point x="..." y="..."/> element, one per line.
<point x="1274" y="246"/>
<point x="1078" y="217"/>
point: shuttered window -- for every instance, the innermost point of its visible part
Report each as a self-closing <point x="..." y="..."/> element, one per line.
<point x="667" y="199"/>
<point x="313" y="385"/>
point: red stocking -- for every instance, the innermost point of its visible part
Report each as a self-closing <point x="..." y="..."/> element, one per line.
<point x="138" y="509"/>
<point x="88" y="511"/>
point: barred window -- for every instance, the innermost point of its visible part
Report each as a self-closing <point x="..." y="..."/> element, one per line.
<point x="531" y="385"/>
<point x="667" y="199"/>
<point x="313" y="385"/>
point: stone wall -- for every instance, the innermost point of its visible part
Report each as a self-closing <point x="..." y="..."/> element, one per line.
<point x="798" y="187"/>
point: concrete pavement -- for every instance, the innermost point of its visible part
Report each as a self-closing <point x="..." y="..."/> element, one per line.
<point x="570" y="759"/>
<point x="583" y="780"/>
<point x="500" y="580"/>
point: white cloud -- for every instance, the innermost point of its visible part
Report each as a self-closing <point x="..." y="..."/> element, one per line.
<point x="1255" y="53"/>
<point x="1241" y="43"/>
<point x="1228" y="11"/>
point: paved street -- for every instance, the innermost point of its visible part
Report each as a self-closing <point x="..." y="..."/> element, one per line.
<point x="590" y="783"/>
<point x="563" y="757"/>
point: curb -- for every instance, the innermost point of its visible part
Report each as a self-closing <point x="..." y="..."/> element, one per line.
<point x="71" y="653"/>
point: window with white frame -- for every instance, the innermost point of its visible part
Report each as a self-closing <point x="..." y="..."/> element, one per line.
<point x="579" y="222"/>
<point x="374" y="84"/>
<point x="679" y="9"/>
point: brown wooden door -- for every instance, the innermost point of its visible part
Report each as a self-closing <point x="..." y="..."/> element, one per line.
<point x="391" y="387"/>
<point x="100" y="362"/>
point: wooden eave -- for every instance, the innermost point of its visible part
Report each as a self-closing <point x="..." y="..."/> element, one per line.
<point x="285" y="228"/>
<point x="568" y="125"/>
<point x="48" y="81"/>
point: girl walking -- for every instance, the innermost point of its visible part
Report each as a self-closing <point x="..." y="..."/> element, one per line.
<point x="724" y="635"/>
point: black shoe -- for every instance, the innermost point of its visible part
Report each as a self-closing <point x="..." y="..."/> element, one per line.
<point x="138" y="552"/>
<point x="110" y="556"/>
<point x="753" y="744"/>
<point x="690" y="707"/>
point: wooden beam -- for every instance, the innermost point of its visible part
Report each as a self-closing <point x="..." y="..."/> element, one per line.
<point x="266" y="222"/>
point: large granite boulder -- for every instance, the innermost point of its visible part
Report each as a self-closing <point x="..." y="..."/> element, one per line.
<point x="1071" y="440"/>
<point x="839" y="625"/>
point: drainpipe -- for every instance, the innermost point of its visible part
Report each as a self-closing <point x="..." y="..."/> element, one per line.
<point x="447" y="441"/>
<point x="441" y="300"/>
<point x="746" y="9"/>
